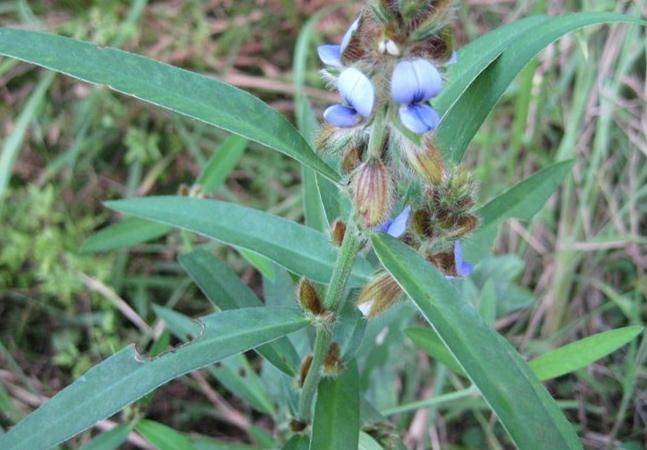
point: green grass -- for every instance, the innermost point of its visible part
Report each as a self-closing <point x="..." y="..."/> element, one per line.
<point x="584" y="254"/>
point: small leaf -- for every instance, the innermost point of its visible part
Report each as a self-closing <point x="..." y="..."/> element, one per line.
<point x="521" y="201"/>
<point x="226" y="291"/>
<point x="163" y="437"/>
<point x="110" y="440"/>
<point x="579" y="354"/>
<point x="260" y="262"/>
<point x="130" y="231"/>
<point x="125" y="377"/>
<point x="428" y="340"/>
<point x="299" y="249"/>
<point x="336" y="421"/>
<point x="221" y="164"/>
<point x="187" y="93"/>
<point x="524" y="407"/>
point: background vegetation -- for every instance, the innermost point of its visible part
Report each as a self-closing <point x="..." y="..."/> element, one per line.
<point x="63" y="310"/>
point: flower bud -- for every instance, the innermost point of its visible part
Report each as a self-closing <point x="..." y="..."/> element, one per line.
<point x="378" y="295"/>
<point x="445" y="262"/>
<point x="332" y="139"/>
<point x="297" y="426"/>
<point x="309" y="298"/>
<point x="372" y="192"/>
<point x="422" y="223"/>
<point x="425" y="160"/>
<point x="305" y="368"/>
<point x="333" y="362"/>
<point x="351" y="159"/>
<point x="438" y="46"/>
<point x="338" y="232"/>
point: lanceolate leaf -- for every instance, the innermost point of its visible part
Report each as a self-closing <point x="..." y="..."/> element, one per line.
<point x="247" y="387"/>
<point x="299" y="249"/>
<point x="581" y="353"/>
<point x="226" y="291"/>
<point x="477" y="55"/>
<point x="127" y="376"/>
<point x="163" y="437"/>
<point x="222" y="163"/>
<point x="558" y="362"/>
<point x="336" y="421"/>
<point x="521" y="201"/>
<point x="467" y="114"/>
<point x="187" y="93"/>
<point x="524" y="407"/>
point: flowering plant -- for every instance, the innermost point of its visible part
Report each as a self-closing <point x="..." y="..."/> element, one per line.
<point x="396" y="223"/>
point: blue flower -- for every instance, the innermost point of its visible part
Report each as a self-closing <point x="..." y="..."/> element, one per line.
<point x="414" y="83"/>
<point x="396" y="226"/>
<point x="331" y="54"/>
<point x="463" y="268"/>
<point x="359" y="97"/>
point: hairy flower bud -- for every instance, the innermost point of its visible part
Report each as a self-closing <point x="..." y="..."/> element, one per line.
<point x="305" y="368"/>
<point x="332" y="361"/>
<point x="378" y="295"/>
<point x="309" y="298"/>
<point x="338" y="232"/>
<point x="425" y="159"/>
<point x="351" y="159"/>
<point x="372" y="192"/>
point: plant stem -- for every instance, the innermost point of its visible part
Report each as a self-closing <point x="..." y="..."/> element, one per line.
<point x="334" y="301"/>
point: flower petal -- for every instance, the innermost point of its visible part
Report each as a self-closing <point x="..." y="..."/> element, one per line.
<point x="419" y="118"/>
<point x="330" y="55"/>
<point x="357" y="90"/>
<point x="341" y="116"/>
<point x="349" y="35"/>
<point x="399" y="225"/>
<point x="415" y="81"/>
<point x="463" y="268"/>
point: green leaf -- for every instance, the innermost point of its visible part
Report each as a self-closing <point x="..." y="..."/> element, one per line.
<point x="579" y="354"/>
<point x="226" y="291"/>
<point x="222" y="162"/>
<point x="429" y="341"/>
<point x="125" y="377"/>
<point x="13" y="142"/>
<point x="298" y="442"/>
<point x="264" y="265"/>
<point x="130" y="231"/>
<point x="163" y="437"/>
<point x="234" y="373"/>
<point x="522" y="41"/>
<point x="521" y="201"/>
<point x="476" y="56"/>
<point x="524" y="407"/>
<point x="336" y="421"/>
<point x="187" y="93"/>
<point x="299" y="249"/>
<point x="110" y="440"/>
<point x="366" y="442"/>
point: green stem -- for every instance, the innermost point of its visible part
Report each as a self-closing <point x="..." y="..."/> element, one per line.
<point x="334" y="301"/>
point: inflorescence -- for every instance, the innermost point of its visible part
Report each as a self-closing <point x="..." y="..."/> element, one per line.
<point x="388" y="68"/>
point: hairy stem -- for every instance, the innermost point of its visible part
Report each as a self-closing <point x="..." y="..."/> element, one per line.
<point x="334" y="301"/>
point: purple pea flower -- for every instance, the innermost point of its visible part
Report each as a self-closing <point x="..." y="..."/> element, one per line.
<point x="396" y="226"/>
<point x="331" y="54"/>
<point x="415" y="82"/>
<point x="359" y="97"/>
<point x="463" y="268"/>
